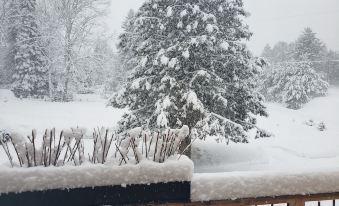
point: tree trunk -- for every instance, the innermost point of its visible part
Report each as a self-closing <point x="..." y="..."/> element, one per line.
<point x="50" y="86"/>
<point x="67" y="59"/>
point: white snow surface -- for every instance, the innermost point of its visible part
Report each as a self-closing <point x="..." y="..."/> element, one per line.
<point x="224" y="45"/>
<point x="67" y="177"/>
<point x="6" y="95"/>
<point x="186" y="54"/>
<point x="88" y="111"/>
<point x="295" y="145"/>
<point x="169" y="12"/>
<point x="235" y="185"/>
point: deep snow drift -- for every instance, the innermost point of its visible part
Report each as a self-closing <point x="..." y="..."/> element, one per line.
<point x="295" y="144"/>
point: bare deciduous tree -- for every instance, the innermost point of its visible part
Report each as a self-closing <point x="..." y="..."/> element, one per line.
<point x="77" y="19"/>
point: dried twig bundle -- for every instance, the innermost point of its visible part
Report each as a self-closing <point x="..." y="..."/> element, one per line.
<point x="68" y="147"/>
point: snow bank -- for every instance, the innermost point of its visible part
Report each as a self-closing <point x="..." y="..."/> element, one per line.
<point x="295" y="145"/>
<point x="40" y="178"/>
<point x="235" y="185"/>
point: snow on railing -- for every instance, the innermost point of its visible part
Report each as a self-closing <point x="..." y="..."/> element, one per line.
<point x="256" y="184"/>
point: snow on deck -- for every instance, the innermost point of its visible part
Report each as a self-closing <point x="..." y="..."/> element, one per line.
<point x="236" y="185"/>
<point x="67" y="177"/>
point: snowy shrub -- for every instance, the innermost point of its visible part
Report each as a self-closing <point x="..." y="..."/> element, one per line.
<point x="293" y="84"/>
<point x="321" y="126"/>
<point x="190" y="67"/>
<point x="137" y="144"/>
<point x="52" y="150"/>
<point x="310" y="123"/>
<point x="68" y="147"/>
<point x="261" y="133"/>
<point x="58" y="94"/>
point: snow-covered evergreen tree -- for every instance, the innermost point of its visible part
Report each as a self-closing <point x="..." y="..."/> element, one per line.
<point x="295" y="84"/>
<point x="281" y="52"/>
<point x="193" y="69"/>
<point x="30" y="78"/>
<point x="309" y="46"/>
<point x="126" y="43"/>
<point x="9" y="23"/>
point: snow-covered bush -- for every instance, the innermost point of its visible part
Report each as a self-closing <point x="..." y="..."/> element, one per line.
<point x="321" y="126"/>
<point x="293" y="84"/>
<point x="190" y="67"/>
<point x="310" y="122"/>
<point x="68" y="147"/>
<point x="137" y="145"/>
<point x="55" y="150"/>
<point x="58" y="94"/>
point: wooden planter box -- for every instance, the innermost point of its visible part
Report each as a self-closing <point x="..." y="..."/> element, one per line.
<point x="97" y="184"/>
<point x="104" y="195"/>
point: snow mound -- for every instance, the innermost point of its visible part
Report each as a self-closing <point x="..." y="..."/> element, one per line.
<point x="68" y="177"/>
<point x="235" y="185"/>
<point x="6" y="95"/>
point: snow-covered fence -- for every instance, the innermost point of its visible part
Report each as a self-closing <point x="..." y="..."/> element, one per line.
<point x="254" y="184"/>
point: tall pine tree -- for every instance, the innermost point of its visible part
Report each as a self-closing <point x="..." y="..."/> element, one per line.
<point x="193" y="69"/>
<point x="30" y="78"/>
<point x="125" y="45"/>
<point x="309" y="46"/>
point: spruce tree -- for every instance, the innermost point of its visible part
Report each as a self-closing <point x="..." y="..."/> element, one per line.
<point x="295" y="84"/>
<point x="125" y="62"/>
<point x="193" y="69"/>
<point x="309" y="46"/>
<point x="30" y="78"/>
<point x="125" y="45"/>
<point x="9" y="26"/>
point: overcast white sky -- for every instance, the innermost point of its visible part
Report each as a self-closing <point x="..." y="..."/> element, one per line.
<point x="270" y="21"/>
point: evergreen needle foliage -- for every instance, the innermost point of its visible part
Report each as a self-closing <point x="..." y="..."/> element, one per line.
<point x="30" y="76"/>
<point x="190" y="67"/>
<point x="294" y="84"/>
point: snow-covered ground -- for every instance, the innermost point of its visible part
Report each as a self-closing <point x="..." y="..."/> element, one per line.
<point x="294" y="146"/>
<point x="88" y="111"/>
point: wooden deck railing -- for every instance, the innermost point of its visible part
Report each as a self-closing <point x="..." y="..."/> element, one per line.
<point x="290" y="200"/>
